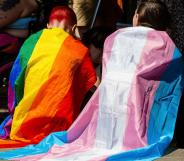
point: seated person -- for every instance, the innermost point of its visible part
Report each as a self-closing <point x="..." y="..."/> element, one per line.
<point x="94" y="39"/>
<point x="13" y="10"/>
<point x="48" y="81"/>
<point x="108" y="14"/>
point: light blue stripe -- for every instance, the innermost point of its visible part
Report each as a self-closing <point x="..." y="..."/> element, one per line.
<point x="21" y="23"/>
<point x="163" y="114"/>
<point x="58" y="138"/>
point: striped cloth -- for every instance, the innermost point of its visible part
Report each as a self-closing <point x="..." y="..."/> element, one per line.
<point x="48" y="82"/>
<point x="132" y="114"/>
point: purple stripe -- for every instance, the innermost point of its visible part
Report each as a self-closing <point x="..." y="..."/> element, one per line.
<point x="7" y="129"/>
<point x="11" y="97"/>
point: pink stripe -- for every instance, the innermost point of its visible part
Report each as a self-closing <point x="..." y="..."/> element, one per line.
<point x="84" y="128"/>
<point x="108" y="48"/>
<point x="99" y="158"/>
<point x="144" y="86"/>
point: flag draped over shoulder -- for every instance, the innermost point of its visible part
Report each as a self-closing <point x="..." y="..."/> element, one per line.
<point x="49" y="79"/>
<point x="132" y="114"/>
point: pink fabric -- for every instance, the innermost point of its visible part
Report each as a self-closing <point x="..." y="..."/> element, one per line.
<point x="99" y="158"/>
<point x="107" y="51"/>
<point x="6" y="39"/>
<point x="142" y="90"/>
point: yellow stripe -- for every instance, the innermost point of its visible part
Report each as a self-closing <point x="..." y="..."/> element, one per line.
<point x="37" y="72"/>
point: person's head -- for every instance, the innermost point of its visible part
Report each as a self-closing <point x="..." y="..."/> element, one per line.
<point x="152" y="13"/>
<point x="63" y="17"/>
<point x="94" y="39"/>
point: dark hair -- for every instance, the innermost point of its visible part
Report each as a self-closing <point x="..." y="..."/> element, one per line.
<point x="97" y="36"/>
<point x="154" y="14"/>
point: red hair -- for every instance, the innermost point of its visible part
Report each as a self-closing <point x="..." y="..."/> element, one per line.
<point x="63" y="13"/>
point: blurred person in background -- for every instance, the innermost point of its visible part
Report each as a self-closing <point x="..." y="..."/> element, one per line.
<point x="108" y="14"/>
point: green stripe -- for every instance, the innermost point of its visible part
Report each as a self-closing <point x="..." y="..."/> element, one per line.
<point x="25" y="54"/>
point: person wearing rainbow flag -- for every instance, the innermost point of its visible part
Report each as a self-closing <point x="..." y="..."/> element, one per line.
<point x="48" y="82"/>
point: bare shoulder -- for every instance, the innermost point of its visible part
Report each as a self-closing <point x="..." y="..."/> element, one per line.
<point x="11" y="10"/>
<point x="29" y="6"/>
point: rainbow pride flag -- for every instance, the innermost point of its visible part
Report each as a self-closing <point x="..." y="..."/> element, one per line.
<point x="48" y="82"/>
<point x="132" y="114"/>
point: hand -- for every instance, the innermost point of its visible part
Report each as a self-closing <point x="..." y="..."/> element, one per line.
<point x="95" y="86"/>
<point x="97" y="82"/>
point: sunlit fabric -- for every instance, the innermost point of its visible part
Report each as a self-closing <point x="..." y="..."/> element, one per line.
<point x="132" y="114"/>
<point x="48" y="82"/>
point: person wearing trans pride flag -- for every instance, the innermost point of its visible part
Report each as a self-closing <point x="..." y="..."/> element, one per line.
<point x="132" y="114"/>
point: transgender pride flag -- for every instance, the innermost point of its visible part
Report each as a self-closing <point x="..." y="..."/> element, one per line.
<point x="132" y="114"/>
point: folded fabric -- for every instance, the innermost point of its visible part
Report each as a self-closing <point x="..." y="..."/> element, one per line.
<point x="48" y="82"/>
<point x="132" y="114"/>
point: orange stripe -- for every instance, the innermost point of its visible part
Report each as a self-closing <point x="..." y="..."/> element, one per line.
<point x="52" y="92"/>
<point x="12" y="144"/>
<point x="82" y="82"/>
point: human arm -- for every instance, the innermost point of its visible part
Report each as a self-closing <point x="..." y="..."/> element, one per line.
<point x="20" y="33"/>
<point x="11" y="10"/>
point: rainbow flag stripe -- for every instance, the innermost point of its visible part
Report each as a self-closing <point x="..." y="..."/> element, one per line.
<point x="49" y="79"/>
<point x="132" y="114"/>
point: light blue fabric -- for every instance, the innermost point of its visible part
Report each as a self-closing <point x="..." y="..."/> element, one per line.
<point x="58" y="138"/>
<point x="21" y="23"/>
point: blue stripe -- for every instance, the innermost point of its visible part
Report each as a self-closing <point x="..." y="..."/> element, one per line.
<point x="15" y="72"/>
<point x="163" y="114"/>
<point x="58" y="138"/>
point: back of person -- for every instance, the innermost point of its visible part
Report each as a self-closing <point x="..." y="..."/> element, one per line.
<point x="48" y="80"/>
<point x="161" y="21"/>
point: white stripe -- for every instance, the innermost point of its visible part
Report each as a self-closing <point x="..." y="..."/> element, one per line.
<point x="114" y="91"/>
